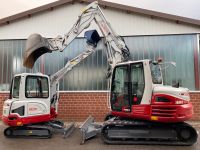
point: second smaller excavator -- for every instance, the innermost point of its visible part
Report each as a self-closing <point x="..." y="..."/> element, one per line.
<point x="32" y="106"/>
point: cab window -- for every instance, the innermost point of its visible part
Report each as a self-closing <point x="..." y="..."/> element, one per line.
<point x="156" y="73"/>
<point x="37" y="87"/>
<point x="16" y="86"/>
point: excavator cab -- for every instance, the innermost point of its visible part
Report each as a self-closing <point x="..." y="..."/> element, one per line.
<point x="137" y="91"/>
<point x="29" y="96"/>
<point x="127" y="87"/>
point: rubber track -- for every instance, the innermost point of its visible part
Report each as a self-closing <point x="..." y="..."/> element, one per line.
<point x="135" y="125"/>
<point x="26" y="132"/>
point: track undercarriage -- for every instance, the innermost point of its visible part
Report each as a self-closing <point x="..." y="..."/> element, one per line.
<point x="126" y="131"/>
<point x="40" y="130"/>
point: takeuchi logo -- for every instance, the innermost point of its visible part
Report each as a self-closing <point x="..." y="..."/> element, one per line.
<point x="32" y="109"/>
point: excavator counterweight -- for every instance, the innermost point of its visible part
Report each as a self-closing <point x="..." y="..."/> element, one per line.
<point x="36" y="46"/>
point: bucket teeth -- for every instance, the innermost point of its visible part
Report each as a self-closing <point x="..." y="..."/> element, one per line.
<point x="36" y="46"/>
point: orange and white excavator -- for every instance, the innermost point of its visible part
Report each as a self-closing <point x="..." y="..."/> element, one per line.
<point x="143" y="110"/>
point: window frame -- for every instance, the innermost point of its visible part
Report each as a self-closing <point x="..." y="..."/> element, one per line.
<point x="131" y="87"/>
<point x="161" y="82"/>
<point x="13" y="84"/>
<point x="127" y="66"/>
<point x="40" y="87"/>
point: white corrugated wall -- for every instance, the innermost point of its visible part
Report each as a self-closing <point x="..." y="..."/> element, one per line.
<point x="61" y="19"/>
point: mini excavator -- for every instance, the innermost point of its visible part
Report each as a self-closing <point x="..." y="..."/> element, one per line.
<point x="32" y="106"/>
<point x="143" y="110"/>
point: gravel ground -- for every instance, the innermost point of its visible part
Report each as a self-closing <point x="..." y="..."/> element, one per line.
<point x="73" y="143"/>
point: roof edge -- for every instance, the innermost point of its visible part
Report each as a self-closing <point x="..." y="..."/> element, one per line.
<point x="30" y="12"/>
<point x="129" y="9"/>
<point x="151" y="13"/>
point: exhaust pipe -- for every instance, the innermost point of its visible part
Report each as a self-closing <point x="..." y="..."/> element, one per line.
<point x="36" y="45"/>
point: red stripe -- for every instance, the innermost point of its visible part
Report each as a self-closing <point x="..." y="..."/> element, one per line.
<point x="12" y="119"/>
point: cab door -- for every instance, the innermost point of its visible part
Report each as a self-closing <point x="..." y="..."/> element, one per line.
<point x="141" y="90"/>
<point x="137" y="83"/>
<point x="120" y="100"/>
<point x="37" y="95"/>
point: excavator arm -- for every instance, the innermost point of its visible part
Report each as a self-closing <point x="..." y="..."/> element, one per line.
<point x="116" y="51"/>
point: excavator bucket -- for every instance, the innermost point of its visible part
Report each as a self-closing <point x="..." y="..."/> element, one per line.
<point x="92" y="37"/>
<point x="36" y="46"/>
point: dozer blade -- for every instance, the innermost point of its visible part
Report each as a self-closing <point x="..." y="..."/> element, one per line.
<point x="59" y="127"/>
<point x="89" y="129"/>
<point x="68" y="130"/>
<point x="36" y="46"/>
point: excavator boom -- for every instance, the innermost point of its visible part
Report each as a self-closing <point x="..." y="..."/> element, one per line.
<point x="116" y="51"/>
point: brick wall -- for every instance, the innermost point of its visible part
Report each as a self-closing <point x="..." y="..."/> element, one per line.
<point x="3" y="97"/>
<point x="77" y="106"/>
<point x="195" y="99"/>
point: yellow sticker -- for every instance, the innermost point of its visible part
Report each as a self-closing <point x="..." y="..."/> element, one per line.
<point x="83" y="10"/>
<point x="30" y="132"/>
<point x="154" y="118"/>
<point x="73" y="62"/>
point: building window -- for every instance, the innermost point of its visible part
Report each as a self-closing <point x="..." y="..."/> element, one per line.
<point x="91" y="73"/>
